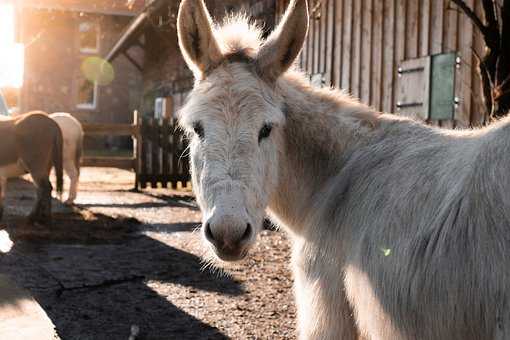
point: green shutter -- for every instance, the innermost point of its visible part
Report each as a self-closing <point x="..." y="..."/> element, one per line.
<point x="442" y="86"/>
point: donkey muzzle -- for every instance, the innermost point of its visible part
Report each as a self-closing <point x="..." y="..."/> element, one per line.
<point x="229" y="236"/>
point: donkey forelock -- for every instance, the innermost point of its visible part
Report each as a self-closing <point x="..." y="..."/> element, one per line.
<point x="238" y="35"/>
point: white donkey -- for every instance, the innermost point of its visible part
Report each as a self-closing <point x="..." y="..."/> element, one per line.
<point x="400" y="230"/>
<point x="72" y="133"/>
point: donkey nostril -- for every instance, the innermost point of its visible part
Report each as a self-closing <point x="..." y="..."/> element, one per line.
<point x="208" y="233"/>
<point x="247" y="233"/>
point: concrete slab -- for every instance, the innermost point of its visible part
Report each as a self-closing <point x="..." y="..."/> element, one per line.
<point x="21" y="317"/>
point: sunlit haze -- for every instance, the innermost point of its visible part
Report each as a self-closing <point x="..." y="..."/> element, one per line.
<point x="11" y="54"/>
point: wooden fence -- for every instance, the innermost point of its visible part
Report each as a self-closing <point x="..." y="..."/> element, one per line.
<point x="159" y="157"/>
<point x="162" y="155"/>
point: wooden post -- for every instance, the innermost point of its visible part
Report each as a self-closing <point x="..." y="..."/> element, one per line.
<point x="155" y="148"/>
<point x="169" y="108"/>
<point x="137" y="148"/>
<point x="165" y="147"/>
<point x="143" y="154"/>
<point x="175" y="155"/>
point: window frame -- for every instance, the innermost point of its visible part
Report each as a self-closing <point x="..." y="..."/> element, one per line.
<point x="87" y="106"/>
<point x="88" y="50"/>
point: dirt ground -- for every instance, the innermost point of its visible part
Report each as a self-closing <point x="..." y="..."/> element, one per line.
<point x="121" y="261"/>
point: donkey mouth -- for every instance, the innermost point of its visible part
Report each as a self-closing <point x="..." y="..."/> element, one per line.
<point x="231" y="254"/>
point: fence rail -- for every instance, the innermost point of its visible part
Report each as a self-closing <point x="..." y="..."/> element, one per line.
<point x="110" y="162"/>
<point x="159" y="157"/>
<point x="110" y="129"/>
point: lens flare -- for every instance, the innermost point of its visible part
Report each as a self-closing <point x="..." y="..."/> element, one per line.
<point x="98" y="70"/>
<point x="5" y="242"/>
<point x="11" y="54"/>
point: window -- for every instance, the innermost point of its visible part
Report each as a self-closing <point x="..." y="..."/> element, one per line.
<point x="89" y="37"/>
<point x="87" y="94"/>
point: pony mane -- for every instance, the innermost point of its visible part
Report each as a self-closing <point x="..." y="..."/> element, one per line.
<point x="238" y="34"/>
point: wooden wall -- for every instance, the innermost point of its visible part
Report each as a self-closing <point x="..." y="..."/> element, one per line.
<point x="358" y="45"/>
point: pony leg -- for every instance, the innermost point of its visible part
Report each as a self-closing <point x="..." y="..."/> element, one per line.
<point x="74" y="175"/>
<point x="3" y="188"/>
<point x="42" y="209"/>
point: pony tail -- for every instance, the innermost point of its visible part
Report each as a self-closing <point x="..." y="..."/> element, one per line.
<point x="58" y="161"/>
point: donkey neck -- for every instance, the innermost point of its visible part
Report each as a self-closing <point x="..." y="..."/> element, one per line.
<point x="321" y="126"/>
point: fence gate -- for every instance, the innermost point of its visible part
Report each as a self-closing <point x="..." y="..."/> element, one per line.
<point x="161" y="154"/>
<point x="159" y="151"/>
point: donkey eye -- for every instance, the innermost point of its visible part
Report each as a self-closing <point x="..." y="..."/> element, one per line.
<point x="199" y="130"/>
<point x="265" y="131"/>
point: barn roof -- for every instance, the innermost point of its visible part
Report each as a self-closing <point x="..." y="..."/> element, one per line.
<point x="111" y="7"/>
<point x="135" y="29"/>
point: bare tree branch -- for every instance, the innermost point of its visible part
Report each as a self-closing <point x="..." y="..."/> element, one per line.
<point x="489" y="8"/>
<point x="469" y="12"/>
<point x="493" y="33"/>
<point x="505" y="82"/>
<point x="487" y="84"/>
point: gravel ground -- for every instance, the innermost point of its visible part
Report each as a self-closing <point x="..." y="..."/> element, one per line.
<point x="122" y="260"/>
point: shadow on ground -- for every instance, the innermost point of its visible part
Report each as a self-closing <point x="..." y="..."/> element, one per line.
<point x="89" y="272"/>
<point x="163" y="201"/>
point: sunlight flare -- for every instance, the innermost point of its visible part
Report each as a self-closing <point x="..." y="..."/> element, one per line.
<point x="6" y="24"/>
<point x="11" y="53"/>
<point x="11" y="65"/>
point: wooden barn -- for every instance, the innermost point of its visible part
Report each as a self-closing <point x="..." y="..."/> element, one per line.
<point x="411" y="57"/>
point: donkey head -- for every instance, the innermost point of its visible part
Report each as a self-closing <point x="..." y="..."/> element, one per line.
<point x="234" y="118"/>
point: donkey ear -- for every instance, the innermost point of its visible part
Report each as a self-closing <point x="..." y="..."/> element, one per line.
<point x="282" y="47"/>
<point x="196" y="36"/>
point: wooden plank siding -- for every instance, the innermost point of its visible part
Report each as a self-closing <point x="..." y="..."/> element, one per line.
<point x="358" y="45"/>
<point x="316" y="37"/>
<point x="477" y="105"/>
<point x="425" y="28"/>
<point x="338" y="40"/>
<point x="412" y="26"/>
<point x="366" y="58"/>
<point x="436" y="31"/>
<point x="345" y="82"/>
<point x="377" y="53"/>
<point x="389" y="74"/>
<point x="329" y="9"/>
<point x="400" y="44"/>
<point x="323" y="36"/>
<point x="463" y="113"/>
<point x="357" y="20"/>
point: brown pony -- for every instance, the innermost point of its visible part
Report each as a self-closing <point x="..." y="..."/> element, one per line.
<point x="32" y="143"/>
